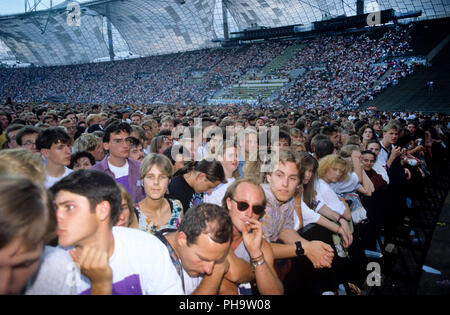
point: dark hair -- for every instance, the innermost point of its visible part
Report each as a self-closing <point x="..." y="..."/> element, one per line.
<point x="285" y="135"/>
<point x="134" y="142"/>
<point x="323" y="147"/>
<point x="164" y="132"/>
<point x="309" y="190"/>
<point x="49" y="136"/>
<point x="96" y="186"/>
<point x="213" y="170"/>
<point x="115" y="127"/>
<point x="328" y="130"/>
<point x="369" y="152"/>
<point x="208" y="219"/>
<point x="27" y="130"/>
<point x="178" y="149"/>
<point x="373" y="141"/>
<point x="78" y="155"/>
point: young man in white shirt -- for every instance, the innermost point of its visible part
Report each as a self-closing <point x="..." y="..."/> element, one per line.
<point x="120" y="260"/>
<point x="55" y="146"/>
<point x="117" y="164"/>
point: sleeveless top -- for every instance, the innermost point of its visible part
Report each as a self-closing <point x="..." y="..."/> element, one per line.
<point x="174" y="221"/>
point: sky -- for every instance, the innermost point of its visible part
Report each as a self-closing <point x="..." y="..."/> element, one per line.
<point x="18" y="6"/>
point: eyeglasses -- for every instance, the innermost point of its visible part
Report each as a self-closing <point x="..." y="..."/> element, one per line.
<point x="121" y="141"/>
<point x="29" y="143"/>
<point x="242" y="206"/>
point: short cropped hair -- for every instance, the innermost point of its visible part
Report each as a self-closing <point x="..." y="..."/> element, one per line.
<point x="49" y="136"/>
<point x="27" y="130"/>
<point x="207" y="219"/>
<point x="115" y="127"/>
<point x="86" y="142"/>
<point x="96" y="186"/>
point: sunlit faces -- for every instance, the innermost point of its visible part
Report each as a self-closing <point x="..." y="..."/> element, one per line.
<point x="71" y="128"/>
<point x="335" y="137"/>
<point x="58" y="154"/>
<point x="334" y="173"/>
<point x="390" y="137"/>
<point x="17" y="265"/>
<point x="167" y="125"/>
<point x="229" y="160"/>
<point x="136" y="119"/>
<point x="155" y="183"/>
<point x="199" y="259"/>
<point x="29" y="142"/>
<point x="98" y="153"/>
<point x="367" y="134"/>
<point x="12" y="139"/>
<point x="374" y="147"/>
<point x="367" y="161"/>
<point x="253" y="196"/>
<point x="118" y="145"/>
<point x="284" y="181"/>
<point x="167" y="142"/>
<point x="77" y="225"/>
<point x="124" y="216"/>
<point x="376" y="126"/>
<point x="82" y="163"/>
<point x="136" y="153"/>
<point x="309" y="172"/>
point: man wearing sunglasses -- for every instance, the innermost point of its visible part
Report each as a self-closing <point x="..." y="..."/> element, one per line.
<point x="117" y="164"/>
<point x="245" y="201"/>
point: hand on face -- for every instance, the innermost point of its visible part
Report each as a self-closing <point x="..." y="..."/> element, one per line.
<point x="94" y="264"/>
<point x="252" y="236"/>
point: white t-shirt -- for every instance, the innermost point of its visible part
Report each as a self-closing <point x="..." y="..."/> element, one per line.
<point x="308" y="215"/>
<point x="140" y="265"/>
<point x="119" y="171"/>
<point x="191" y="283"/>
<point x="55" y="275"/>
<point x="326" y="195"/>
<point x="50" y="180"/>
<point x="217" y="194"/>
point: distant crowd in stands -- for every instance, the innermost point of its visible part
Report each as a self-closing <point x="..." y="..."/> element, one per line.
<point x="341" y="71"/>
<point x="204" y="200"/>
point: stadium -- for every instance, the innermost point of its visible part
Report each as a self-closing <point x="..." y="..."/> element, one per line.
<point x="197" y="78"/>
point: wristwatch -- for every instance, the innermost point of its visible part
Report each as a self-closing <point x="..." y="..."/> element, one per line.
<point x="299" y="251"/>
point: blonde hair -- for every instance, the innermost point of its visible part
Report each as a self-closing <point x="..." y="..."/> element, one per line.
<point x="161" y="161"/>
<point x="24" y="212"/>
<point x="330" y="161"/>
<point x="24" y="162"/>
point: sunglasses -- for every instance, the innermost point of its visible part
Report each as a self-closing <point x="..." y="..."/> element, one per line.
<point x="242" y="206"/>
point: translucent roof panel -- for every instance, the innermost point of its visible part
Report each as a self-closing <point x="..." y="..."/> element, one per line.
<point x="152" y="27"/>
<point x="46" y="38"/>
<point x="160" y="27"/>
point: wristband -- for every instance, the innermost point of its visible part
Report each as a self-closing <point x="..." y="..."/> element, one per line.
<point x="340" y="217"/>
<point x="257" y="262"/>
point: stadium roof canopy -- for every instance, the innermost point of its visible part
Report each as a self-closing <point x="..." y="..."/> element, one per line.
<point x="150" y="27"/>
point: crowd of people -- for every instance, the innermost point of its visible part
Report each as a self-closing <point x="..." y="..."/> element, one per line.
<point x="205" y="200"/>
<point x="341" y="71"/>
<point x="344" y="71"/>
